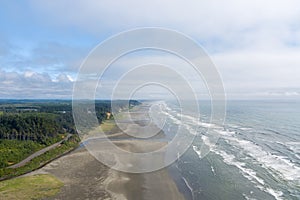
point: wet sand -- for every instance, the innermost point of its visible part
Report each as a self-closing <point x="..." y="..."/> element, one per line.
<point x="84" y="177"/>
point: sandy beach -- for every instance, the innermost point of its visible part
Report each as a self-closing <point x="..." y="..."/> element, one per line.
<point x="84" y="177"/>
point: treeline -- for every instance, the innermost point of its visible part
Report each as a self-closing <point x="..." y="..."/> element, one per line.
<point x="38" y="127"/>
<point x="44" y="122"/>
<point x="27" y="126"/>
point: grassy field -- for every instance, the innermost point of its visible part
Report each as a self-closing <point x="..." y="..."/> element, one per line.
<point x="13" y="151"/>
<point x="108" y="125"/>
<point x="30" y="187"/>
<point x="40" y="160"/>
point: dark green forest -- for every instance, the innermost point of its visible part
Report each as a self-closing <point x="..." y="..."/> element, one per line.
<point x="27" y="126"/>
<point x="38" y="127"/>
<point x="43" y="122"/>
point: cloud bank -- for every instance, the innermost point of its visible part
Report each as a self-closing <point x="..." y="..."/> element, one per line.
<point x="255" y="44"/>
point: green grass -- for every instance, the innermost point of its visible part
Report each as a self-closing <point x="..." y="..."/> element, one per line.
<point x="120" y="116"/>
<point x="30" y="187"/>
<point x="107" y="125"/>
<point x="13" y="151"/>
<point x="40" y="160"/>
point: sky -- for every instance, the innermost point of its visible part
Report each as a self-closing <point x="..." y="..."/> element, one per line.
<point x="255" y="45"/>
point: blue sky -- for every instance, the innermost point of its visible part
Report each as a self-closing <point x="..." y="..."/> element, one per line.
<point x="254" y="44"/>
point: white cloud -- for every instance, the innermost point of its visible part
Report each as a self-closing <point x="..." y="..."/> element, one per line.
<point x="206" y="18"/>
<point x="259" y="73"/>
<point x="255" y="44"/>
<point x="64" y="78"/>
<point x="34" y="85"/>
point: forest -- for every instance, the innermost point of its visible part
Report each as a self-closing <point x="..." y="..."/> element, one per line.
<point x="27" y="126"/>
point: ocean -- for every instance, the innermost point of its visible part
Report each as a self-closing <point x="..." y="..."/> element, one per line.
<point x="257" y="155"/>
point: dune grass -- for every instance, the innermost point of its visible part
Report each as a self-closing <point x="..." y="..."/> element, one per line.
<point x="30" y="187"/>
<point x="107" y="125"/>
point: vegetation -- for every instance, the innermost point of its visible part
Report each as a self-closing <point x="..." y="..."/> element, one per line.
<point x="43" y="128"/>
<point x="22" y="134"/>
<point x="30" y="187"/>
<point x="27" y="126"/>
<point x="13" y="151"/>
<point x="40" y="160"/>
<point x="108" y="126"/>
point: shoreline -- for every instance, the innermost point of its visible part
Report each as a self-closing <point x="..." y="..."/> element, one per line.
<point x="151" y="185"/>
<point x="85" y="177"/>
<point x="181" y="183"/>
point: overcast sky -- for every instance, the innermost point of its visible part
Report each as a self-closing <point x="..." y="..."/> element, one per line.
<point x="254" y="44"/>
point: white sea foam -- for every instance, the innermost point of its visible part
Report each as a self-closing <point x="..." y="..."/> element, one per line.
<point x="188" y="185"/>
<point x="273" y="161"/>
<point x="250" y="174"/>
<point x="245" y="128"/>
<point x="247" y="173"/>
<point x="230" y="160"/>
<point x="197" y="150"/>
<point x="206" y="141"/>
<point x="226" y="133"/>
<point x="196" y="121"/>
<point x="233" y="125"/>
<point x="174" y="119"/>
<point x="248" y="198"/>
<point x="186" y="117"/>
<point x="281" y="164"/>
<point x="274" y="193"/>
<point x="213" y="170"/>
<point x="207" y="125"/>
<point x="293" y="146"/>
<point x="190" y="123"/>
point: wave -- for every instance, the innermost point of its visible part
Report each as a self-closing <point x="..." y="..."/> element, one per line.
<point x="248" y="198"/>
<point x="246" y="128"/>
<point x="281" y="164"/>
<point x="189" y="187"/>
<point x="248" y="173"/>
<point x="239" y="145"/>
<point x="213" y="170"/>
<point x="293" y="146"/>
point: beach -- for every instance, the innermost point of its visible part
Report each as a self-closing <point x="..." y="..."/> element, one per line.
<point x="237" y="167"/>
<point x="84" y="177"/>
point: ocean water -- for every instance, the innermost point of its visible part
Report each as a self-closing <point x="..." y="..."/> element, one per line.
<point x="257" y="155"/>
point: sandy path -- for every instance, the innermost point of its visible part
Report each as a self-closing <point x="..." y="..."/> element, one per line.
<point x="38" y="153"/>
